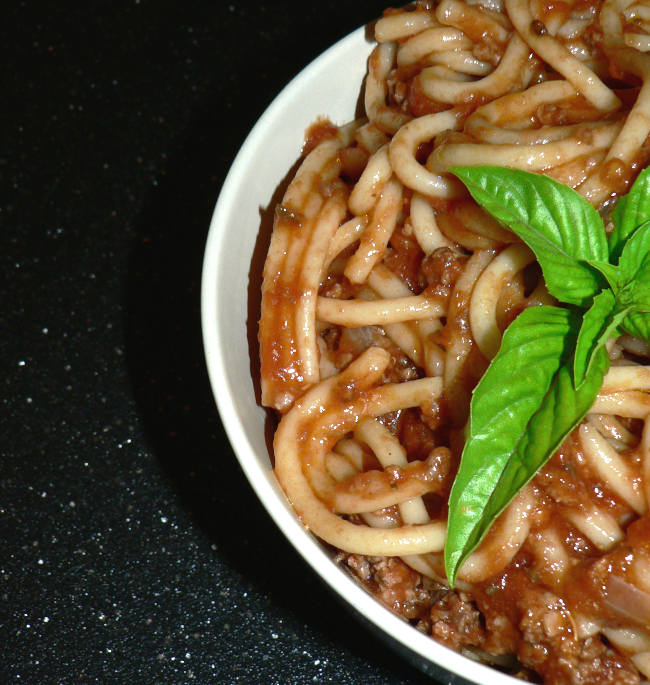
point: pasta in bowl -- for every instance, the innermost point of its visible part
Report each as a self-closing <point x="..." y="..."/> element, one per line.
<point x="387" y="290"/>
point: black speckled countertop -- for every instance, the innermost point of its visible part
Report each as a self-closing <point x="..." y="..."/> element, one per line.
<point x="123" y="556"/>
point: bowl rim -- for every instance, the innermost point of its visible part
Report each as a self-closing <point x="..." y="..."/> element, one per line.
<point x="431" y="656"/>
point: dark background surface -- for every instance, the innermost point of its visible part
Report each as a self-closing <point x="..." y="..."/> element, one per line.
<point x="132" y="548"/>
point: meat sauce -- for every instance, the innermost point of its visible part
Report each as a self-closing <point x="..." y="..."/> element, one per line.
<point x="529" y="608"/>
<point x="513" y="613"/>
<point x="532" y="608"/>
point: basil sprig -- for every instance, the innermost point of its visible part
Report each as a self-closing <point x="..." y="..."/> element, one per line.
<point x="552" y="360"/>
<point x="564" y="234"/>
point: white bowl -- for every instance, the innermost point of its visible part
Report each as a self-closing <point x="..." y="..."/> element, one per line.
<point x="329" y="86"/>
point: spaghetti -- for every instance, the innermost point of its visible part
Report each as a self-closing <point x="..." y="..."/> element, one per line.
<point x="386" y="291"/>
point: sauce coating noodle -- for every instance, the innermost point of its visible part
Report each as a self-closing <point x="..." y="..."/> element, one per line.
<point x="386" y="291"/>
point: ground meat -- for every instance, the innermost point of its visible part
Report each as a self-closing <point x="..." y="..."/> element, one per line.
<point x="347" y="343"/>
<point x="590" y="662"/>
<point x="536" y="625"/>
<point x="414" y="435"/>
<point x="404" y="259"/>
<point x="441" y="269"/>
<point x="551" y="647"/>
<point x="456" y="622"/>
<point x="394" y="584"/>
<point x="401" y="369"/>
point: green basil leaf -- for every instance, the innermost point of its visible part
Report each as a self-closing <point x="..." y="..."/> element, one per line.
<point x="599" y="324"/>
<point x="617" y="220"/>
<point x="609" y="271"/>
<point x="630" y="281"/>
<point x="630" y="212"/>
<point x="633" y="264"/>
<point x="561" y="228"/>
<point x="522" y="409"/>
<point x="636" y="292"/>
<point x="637" y="324"/>
<point x="636" y="295"/>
